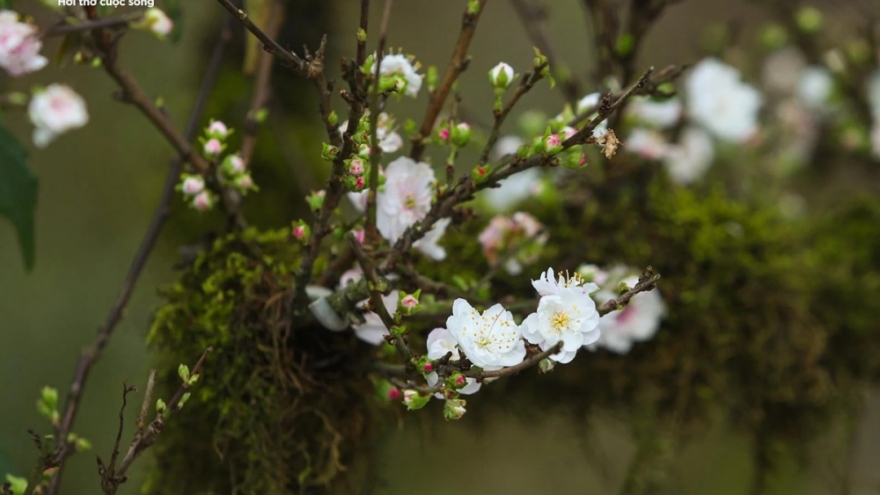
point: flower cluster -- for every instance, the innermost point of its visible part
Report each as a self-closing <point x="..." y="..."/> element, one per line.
<point x="54" y="111"/>
<point x="231" y="171"/>
<point x="397" y="74"/>
<point x="515" y="241"/>
<point x="19" y="45"/>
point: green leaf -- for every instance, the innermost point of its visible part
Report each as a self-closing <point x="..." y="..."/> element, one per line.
<point x="18" y="193"/>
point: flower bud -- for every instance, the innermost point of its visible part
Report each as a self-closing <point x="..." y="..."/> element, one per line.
<point x="157" y="22"/>
<point x="315" y="199"/>
<point x="393" y="394"/>
<point x="233" y="165"/>
<point x="480" y="173"/>
<point x="454" y="408"/>
<point x="329" y="152"/>
<point x="192" y="185"/>
<point x="413" y="400"/>
<point x="356" y="166"/>
<point x="360" y="235"/>
<point x="213" y="147"/>
<point x="552" y="144"/>
<point x="203" y="201"/>
<point x="301" y="231"/>
<point x="461" y="134"/>
<point x="217" y="129"/>
<point x="501" y="76"/>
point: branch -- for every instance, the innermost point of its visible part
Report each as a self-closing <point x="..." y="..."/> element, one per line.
<point x="91" y="354"/>
<point x="110" y="478"/>
<point x="457" y="65"/>
<point x="533" y="16"/>
<point x="527" y="363"/>
<point x="261" y="87"/>
<point x="63" y="28"/>
<point x="647" y="281"/>
<point x="288" y="58"/>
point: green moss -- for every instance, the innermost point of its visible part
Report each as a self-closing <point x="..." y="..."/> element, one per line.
<point x="280" y="407"/>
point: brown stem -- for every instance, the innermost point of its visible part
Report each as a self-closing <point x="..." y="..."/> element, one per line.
<point x="511" y="370"/>
<point x="533" y="16"/>
<point x="91" y="354"/>
<point x="457" y="65"/>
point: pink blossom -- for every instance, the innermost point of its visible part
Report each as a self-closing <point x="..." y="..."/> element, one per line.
<point x="203" y="201"/>
<point x="19" y="45"/>
<point x="356" y="167"/>
<point x="213" y="147"/>
<point x="409" y="301"/>
<point x="54" y="111"/>
<point x="444" y="134"/>
<point x="218" y="128"/>
<point x="299" y="231"/>
<point x="394" y="393"/>
<point x="360" y="235"/>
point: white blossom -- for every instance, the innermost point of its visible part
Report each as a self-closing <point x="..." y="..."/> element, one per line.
<point x="54" y="111"/>
<point x="549" y="284"/>
<point x="585" y="104"/>
<point x="19" y="45"/>
<point x="655" y="113"/>
<point x="720" y="102"/>
<point x="158" y="22"/>
<point x="688" y="160"/>
<point x="373" y="330"/>
<point x="441" y="342"/>
<point x="638" y="321"/>
<point x="514" y="190"/>
<point x="815" y="87"/>
<point x="490" y="340"/>
<point x="406" y="198"/>
<point x="399" y="64"/>
<point x="647" y="143"/>
<point x="428" y="243"/>
<point x="569" y="316"/>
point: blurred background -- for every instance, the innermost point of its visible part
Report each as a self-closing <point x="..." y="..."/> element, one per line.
<point x="100" y="184"/>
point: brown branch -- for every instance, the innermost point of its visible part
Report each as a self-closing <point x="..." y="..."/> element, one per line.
<point x="91" y="354"/>
<point x="647" y="281"/>
<point x="111" y="479"/>
<point x="372" y="235"/>
<point x="533" y="16"/>
<point x="511" y="370"/>
<point x="262" y="89"/>
<point x="457" y="65"/>
<point x="63" y="28"/>
<point x="465" y="188"/>
<point x="288" y="58"/>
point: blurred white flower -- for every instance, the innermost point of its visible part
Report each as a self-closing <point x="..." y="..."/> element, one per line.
<point x="518" y="232"/>
<point x="514" y="190"/>
<point x="638" y="321"/>
<point x="647" y="143"/>
<point x="506" y="145"/>
<point x="193" y="185"/>
<point x="720" y="102"/>
<point x="406" y="198"/>
<point x="54" y="111"/>
<point x="158" y="22"/>
<point x="373" y="331"/>
<point x="19" y="45"/>
<point x="398" y="64"/>
<point x="782" y="70"/>
<point x="815" y="86"/>
<point x="591" y="102"/>
<point x="490" y="340"/>
<point x="428" y="243"/>
<point x="688" y="160"/>
<point x="655" y="113"/>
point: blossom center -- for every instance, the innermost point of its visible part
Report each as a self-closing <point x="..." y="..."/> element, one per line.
<point x="409" y="202"/>
<point x="560" y="321"/>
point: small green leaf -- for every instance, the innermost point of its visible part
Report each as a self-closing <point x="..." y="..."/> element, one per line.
<point x="18" y="193"/>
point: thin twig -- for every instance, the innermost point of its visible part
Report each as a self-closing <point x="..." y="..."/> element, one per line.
<point x="372" y="235"/>
<point x="62" y="29"/>
<point x="457" y="64"/>
<point x="533" y="16"/>
<point x="91" y="354"/>
<point x="126" y="389"/>
<point x="511" y="370"/>
<point x="647" y="281"/>
<point x="262" y="88"/>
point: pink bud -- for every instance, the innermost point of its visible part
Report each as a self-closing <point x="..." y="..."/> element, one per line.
<point x="393" y="393"/>
<point x="202" y="201"/>
<point x="218" y="128"/>
<point x="460" y="380"/>
<point x="236" y="164"/>
<point x="193" y="186"/>
<point x="320" y="193"/>
<point x="213" y="147"/>
<point x="444" y="134"/>
<point x="359" y="184"/>
<point x="553" y="140"/>
<point x="429" y="367"/>
<point x="583" y="160"/>
<point x="356" y="167"/>
<point x="299" y="231"/>
<point x="360" y="235"/>
<point x="409" y="301"/>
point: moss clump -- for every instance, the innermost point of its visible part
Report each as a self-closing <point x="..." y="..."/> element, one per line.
<point x="280" y="407"/>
